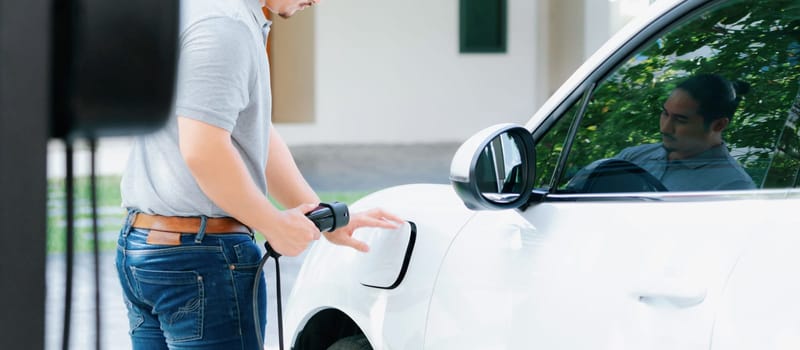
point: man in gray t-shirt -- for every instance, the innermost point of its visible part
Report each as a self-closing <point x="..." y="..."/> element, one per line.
<point x="692" y="155"/>
<point x="197" y="189"/>
<point x="711" y="170"/>
<point x="223" y="82"/>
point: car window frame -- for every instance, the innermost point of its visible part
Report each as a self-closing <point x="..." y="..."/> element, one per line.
<point x="667" y="22"/>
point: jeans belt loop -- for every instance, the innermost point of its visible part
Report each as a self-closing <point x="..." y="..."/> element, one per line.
<point x="129" y="222"/>
<point x="202" y="232"/>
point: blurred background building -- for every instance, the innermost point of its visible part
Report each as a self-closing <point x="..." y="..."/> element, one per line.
<point x="350" y="72"/>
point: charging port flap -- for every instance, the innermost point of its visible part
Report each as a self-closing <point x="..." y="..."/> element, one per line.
<point x="389" y="255"/>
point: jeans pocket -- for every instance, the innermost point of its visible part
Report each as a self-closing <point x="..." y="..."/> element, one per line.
<point x="177" y="299"/>
<point x="248" y="256"/>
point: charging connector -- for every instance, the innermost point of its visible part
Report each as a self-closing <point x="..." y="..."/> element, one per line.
<point x="328" y="217"/>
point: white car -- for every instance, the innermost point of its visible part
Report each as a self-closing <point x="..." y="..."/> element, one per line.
<point x="549" y="238"/>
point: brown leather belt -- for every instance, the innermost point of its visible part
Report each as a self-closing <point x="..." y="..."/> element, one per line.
<point x="166" y="230"/>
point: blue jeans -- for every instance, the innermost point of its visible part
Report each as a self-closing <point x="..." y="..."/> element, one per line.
<point x="198" y="295"/>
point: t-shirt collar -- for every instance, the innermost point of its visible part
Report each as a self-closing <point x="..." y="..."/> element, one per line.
<point x="258" y="14"/>
<point x="699" y="160"/>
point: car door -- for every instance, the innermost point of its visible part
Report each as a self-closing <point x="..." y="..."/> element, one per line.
<point x="629" y="266"/>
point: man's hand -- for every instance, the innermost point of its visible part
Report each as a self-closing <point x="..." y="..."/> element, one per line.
<point x="221" y="173"/>
<point x="371" y="218"/>
<point x="292" y="231"/>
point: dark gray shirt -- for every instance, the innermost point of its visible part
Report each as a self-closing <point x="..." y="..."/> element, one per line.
<point x="223" y="80"/>
<point x="711" y="170"/>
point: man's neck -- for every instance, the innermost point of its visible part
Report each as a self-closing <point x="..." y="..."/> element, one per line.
<point x="673" y="155"/>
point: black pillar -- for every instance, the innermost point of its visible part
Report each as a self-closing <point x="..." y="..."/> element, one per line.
<point x="24" y="107"/>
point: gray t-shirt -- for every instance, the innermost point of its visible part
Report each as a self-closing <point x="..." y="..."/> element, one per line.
<point x="223" y="80"/>
<point x="711" y="170"/>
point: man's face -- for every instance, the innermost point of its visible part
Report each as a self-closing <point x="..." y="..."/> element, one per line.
<point x="287" y="8"/>
<point x="683" y="132"/>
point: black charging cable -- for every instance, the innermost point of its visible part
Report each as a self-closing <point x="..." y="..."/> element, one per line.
<point x="327" y="218"/>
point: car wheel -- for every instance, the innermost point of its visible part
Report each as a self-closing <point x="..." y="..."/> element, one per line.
<point x="353" y="342"/>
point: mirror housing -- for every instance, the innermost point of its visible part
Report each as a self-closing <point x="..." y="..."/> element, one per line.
<point x="494" y="169"/>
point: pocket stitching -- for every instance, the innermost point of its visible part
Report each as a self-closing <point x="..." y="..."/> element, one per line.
<point x="140" y="276"/>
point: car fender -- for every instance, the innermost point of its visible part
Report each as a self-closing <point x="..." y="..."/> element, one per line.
<point x="332" y="277"/>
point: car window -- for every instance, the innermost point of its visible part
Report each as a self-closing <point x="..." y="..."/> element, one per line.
<point x="549" y="148"/>
<point x="656" y="123"/>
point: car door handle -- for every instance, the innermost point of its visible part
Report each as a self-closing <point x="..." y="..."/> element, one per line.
<point x="677" y="299"/>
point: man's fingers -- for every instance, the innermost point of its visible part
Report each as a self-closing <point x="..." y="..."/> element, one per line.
<point x="390" y="216"/>
<point x="344" y="239"/>
<point x="307" y="207"/>
<point x="379" y="222"/>
<point x="378" y="218"/>
<point x="356" y="244"/>
<point x="380" y="213"/>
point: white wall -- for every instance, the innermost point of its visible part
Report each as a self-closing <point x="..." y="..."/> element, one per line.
<point x="606" y="17"/>
<point x="292" y="56"/>
<point x="598" y="24"/>
<point x="391" y="72"/>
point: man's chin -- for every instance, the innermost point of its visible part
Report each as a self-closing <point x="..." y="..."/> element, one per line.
<point x="287" y="14"/>
<point x="668" y="143"/>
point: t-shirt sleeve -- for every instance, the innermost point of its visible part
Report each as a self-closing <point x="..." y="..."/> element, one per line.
<point x="627" y="153"/>
<point x="214" y="72"/>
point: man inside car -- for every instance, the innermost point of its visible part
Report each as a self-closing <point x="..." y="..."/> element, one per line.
<point x="692" y="155"/>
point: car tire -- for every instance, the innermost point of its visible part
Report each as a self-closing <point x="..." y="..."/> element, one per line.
<point x="353" y="342"/>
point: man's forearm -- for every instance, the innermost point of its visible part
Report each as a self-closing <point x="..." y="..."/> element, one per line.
<point x="220" y="172"/>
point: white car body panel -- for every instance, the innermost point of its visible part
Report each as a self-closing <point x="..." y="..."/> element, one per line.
<point x="331" y="268"/>
<point x="585" y="284"/>
<point x="759" y="308"/>
<point x="566" y="283"/>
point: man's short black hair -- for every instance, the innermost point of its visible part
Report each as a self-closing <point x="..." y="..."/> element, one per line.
<point x="718" y="97"/>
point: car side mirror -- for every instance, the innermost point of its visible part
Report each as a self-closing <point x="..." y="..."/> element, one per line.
<point x="494" y="169"/>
